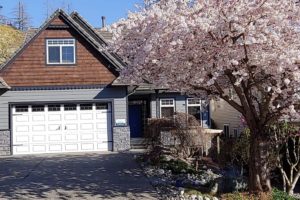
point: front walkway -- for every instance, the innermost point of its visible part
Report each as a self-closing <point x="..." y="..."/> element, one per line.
<point x="74" y="176"/>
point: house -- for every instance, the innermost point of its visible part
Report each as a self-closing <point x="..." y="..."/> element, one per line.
<point x="59" y="93"/>
<point x="226" y="118"/>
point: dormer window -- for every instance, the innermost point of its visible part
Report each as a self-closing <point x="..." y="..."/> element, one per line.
<point x="60" y="51"/>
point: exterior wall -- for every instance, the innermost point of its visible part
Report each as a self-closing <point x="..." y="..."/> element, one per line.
<point x="30" y="67"/>
<point x="5" y="142"/>
<point x="180" y="105"/>
<point x="118" y="97"/>
<point x="121" y="137"/>
<point x="222" y="113"/>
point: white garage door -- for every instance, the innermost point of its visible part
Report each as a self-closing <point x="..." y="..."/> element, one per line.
<point x="58" y="128"/>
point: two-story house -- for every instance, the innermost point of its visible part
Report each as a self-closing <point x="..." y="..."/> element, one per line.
<point x="58" y="94"/>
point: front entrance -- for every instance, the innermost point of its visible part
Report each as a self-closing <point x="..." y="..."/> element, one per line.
<point x="137" y="118"/>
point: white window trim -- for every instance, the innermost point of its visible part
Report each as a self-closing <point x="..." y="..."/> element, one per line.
<point x="166" y="106"/>
<point x="60" y="49"/>
<point x="194" y="105"/>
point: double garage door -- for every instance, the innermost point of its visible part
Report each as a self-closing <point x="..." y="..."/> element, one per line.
<point x="55" y="128"/>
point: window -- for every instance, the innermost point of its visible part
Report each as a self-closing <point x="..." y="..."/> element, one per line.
<point x="60" y="51"/>
<point x="194" y="108"/>
<point x="167" y="108"/>
<point x="21" y="108"/>
<point x="101" y="106"/>
<point x="53" y="108"/>
<point x="235" y="132"/>
<point x="38" y="108"/>
<point x="86" y="106"/>
<point x="226" y="130"/>
<point x="69" y="107"/>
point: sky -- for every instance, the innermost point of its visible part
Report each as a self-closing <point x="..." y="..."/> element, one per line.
<point x="91" y="10"/>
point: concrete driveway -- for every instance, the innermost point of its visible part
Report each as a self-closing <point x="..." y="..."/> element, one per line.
<point x="74" y="176"/>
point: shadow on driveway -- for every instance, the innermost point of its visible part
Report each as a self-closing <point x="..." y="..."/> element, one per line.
<point x="73" y="176"/>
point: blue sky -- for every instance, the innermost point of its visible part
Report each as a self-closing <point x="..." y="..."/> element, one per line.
<point x="91" y="10"/>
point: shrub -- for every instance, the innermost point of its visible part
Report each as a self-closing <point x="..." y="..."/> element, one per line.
<point x="177" y="166"/>
<point x="278" y="194"/>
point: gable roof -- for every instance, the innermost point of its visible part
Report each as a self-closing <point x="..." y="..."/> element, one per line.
<point x="98" y="37"/>
<point x="115" y="64"/>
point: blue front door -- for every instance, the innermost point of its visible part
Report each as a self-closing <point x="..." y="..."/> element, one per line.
<point x="135" y="121"/>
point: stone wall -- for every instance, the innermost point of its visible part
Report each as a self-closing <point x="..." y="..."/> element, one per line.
<point x="5" y="143"/>
<point x="121" y="138"/>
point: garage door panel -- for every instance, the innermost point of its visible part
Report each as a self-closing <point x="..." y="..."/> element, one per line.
<point x="71" y="137"/>
<point x="22" y="128"/>
<point x="53" y="138"/>
<point x="87" y="146"/>
<point x="55" y="147"/>
<point x="39" y="138"/>
<point x="22" y="138"/>
<point x="39" y="148"/>
<point x="59" y="129"/>
<point x="71" y="147"/>
<point x="38" y="118"/>
<point x="87" y="136"/>
<point x="38" y="128"/>
<point x="71" y="127"/>
<point x="86" y="116"/>
<point x="21" y="149"/>
<point x="70" y="116"/>
<point x="54" y="127"/>
<point x="87" y="126"/>
<point x="22" y="118"/>
<point x="54" y="117"/>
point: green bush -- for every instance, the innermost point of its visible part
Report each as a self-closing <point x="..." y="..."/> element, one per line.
<point x="280" y="195"/>
<point x="177" y="166"/>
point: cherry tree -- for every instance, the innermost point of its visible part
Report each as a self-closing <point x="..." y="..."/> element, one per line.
<point x="203" y="48"/>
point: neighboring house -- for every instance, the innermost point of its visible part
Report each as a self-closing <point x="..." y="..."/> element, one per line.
<point x="226" y="118"/>
<point x="61" y="94"/>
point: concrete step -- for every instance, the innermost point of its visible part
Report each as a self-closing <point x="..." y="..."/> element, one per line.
<point x="138" y="143"/>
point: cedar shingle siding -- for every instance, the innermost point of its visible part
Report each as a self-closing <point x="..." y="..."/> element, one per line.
<point x="30" y="69"/>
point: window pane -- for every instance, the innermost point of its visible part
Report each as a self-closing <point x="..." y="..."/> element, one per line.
<point x="67" y="54"/>
<point x="69" y="107"/>
<point x="53" y="107"/>
<point x="86" y="107"/>
<point x="195" y="101"/>
<point x="195" y="111"/>
<point x="21" y="108"/>
<point x="54" y="54"/>
<point x="101" y="106"/>
<point x="38" y="108"/>
<point x="167" y="112"/>
<point x="166" y="102"/>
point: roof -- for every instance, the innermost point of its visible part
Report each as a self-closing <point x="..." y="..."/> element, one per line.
<point x="83" y="28"/>
<point x="105" y="34"/>
<point x="3" y="84"/>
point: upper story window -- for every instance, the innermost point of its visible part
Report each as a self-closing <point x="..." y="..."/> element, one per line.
<point x="167" y="107"/>
<point x="194" y="108"/>
<point x="60" y="51"/>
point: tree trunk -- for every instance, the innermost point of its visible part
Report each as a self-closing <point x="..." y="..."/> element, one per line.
<point x="259" y="180"/>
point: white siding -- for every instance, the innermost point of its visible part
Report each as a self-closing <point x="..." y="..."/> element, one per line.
<point x="222" y="113"/>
